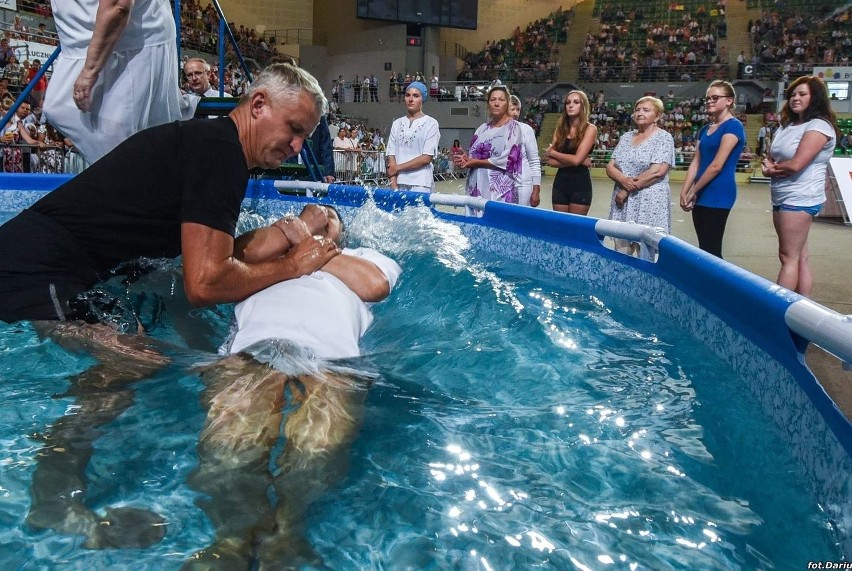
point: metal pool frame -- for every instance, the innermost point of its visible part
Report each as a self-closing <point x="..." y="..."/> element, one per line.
<point x="761" y="329"/>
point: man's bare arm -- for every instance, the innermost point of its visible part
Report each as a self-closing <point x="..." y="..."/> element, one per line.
<point x="213" y="274"/>
<point x="360" y="275"/>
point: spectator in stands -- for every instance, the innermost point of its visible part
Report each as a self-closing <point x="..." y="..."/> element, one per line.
<point x="13" y="71"/>
<point x="529" y="189"/>
<point x="569" y="151"/>
<point x="20" y="30"/>
<point x="197" y="73"/>
<point x="761" y="138"/>
<point x="413" y="144"/>
<point x="15" y="138"/>
<point x="36" y="119"/>
<point x="6" y="52"/>
<point x="39" y="87"/>
<point x="710" y="187"/>
<point x="494" y="161"/>
<point x="796" y="163"/>
<point x="345" y="150"/>
<point x="91" y="98"/>
<point x="51" y="157"/>
<point x="639" y="167"/>
<point x="456" y="150"/>
<point x="5" y="94"/>
<point x="374" y="88"/>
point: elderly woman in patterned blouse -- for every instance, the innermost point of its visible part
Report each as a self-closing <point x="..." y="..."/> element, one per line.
<point x="640" y="169"/>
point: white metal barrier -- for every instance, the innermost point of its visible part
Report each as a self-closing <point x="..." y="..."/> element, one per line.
<point x="356" y="165"/>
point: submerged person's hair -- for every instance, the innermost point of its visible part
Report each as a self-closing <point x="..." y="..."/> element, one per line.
<point x="285" y="81"/>
<point x="342" y="238"/>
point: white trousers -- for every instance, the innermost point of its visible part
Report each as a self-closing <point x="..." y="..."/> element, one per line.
<point x="136" y="89"/>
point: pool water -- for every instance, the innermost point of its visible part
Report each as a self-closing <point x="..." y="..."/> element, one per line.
<point x="517" y="421"/>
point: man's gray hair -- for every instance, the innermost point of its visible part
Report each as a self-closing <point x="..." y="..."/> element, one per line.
<point x="283" y="80"/>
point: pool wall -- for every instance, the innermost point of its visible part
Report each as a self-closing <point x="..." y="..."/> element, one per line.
<point x="738" y="315"/>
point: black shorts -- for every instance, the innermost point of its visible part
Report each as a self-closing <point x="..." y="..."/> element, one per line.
<point x="577" y="195"/>
<point x="572" y="185"/>
<point x="42" y="266"/>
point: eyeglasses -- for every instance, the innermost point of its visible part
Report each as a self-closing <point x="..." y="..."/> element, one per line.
<point x="714" y="98"/>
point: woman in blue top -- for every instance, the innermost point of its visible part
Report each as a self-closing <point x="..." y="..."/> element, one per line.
<point x="710" y="189"/>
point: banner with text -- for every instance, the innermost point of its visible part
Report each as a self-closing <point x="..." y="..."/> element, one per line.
<point x="28" y="51"/>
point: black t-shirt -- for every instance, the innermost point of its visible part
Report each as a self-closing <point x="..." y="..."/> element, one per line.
<point x="132" y="202"/>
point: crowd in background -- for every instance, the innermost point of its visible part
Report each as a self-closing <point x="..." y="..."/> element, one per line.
<point x="684" y="47"/>
<point x="529" y="55"/>
<point x="199" y="30"/>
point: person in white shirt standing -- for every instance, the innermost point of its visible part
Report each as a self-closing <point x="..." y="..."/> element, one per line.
<point x="413" y="144"/>
<point x="99" y="93"/>
<point x="529" y="190"/>
<point x="797" y="165"/>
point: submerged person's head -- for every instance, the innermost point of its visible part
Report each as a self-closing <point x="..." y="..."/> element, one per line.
<point x="334" y="229"/>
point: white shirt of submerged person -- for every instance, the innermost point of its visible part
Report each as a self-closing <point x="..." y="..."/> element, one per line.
<point x="413" y="144"/>
<point x="318" y="311"/>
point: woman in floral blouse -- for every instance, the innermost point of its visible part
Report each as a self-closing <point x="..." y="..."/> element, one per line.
<point x="496" y="150"/>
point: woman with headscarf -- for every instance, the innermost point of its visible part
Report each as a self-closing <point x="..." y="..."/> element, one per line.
<point x="413" y="144"/>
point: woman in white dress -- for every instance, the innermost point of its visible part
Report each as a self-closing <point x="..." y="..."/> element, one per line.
<point x="101" y="90"/>
<point x="529" y="190"/>
<point x="413" y="144"/>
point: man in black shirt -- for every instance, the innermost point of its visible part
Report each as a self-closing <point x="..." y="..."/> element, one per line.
<point x="171" y="190"/>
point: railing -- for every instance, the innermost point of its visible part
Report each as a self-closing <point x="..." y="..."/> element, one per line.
<point x="453" y="49"/>
<point x="600" y="158"/>
<point x="300" y="36"/>
<point x="359" y="166"/>
<point x="39" y="7"/>
<point x="647" y="73"/>
<point x="53" y="158"/>
<point x="544" y="73"/>
<point x="356" y="166"/>
<point x="447" y="91"/>
<point x="779" y="71"/>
